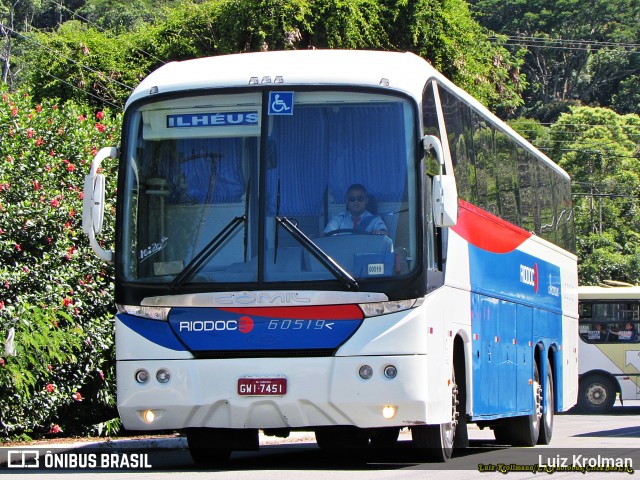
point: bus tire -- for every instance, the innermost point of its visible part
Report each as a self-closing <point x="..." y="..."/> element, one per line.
<point x="523" y="431"/>
<point x="203" y="451"/>
<point x="436" y="441"/>
<point x="548" y="402"/>
<point x="597" y="394"/>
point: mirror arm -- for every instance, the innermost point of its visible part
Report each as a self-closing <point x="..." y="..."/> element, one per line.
<point x="105" y="255"/>
<point x="91" y="205"/>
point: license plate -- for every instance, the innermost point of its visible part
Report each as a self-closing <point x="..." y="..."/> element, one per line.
<point x="262" y="386"/>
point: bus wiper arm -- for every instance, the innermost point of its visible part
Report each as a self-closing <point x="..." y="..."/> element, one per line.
<point x="197" y="262"/>
<point x="329" y="263"/>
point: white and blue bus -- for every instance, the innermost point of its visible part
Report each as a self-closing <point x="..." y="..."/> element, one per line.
<point x="241" y="312"/>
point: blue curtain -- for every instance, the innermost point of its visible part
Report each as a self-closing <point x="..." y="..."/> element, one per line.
<point x="369" y="149"/>
<point x="209" y="170"/>
<point x="320" y="148"/>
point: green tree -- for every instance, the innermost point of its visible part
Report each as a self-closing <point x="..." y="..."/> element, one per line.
<point x="441" y="32"/>
<point x="599" y="149"/>
<point x="575" y="50"/>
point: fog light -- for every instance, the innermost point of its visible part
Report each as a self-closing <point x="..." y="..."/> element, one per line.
<point x="148" y="416"/>
<point x="163" y="375"/>
<point x="366" y="372"/>
<point x="390" y="371"/>
<point x="389" y="411"/>
<point x="142" y="376"/>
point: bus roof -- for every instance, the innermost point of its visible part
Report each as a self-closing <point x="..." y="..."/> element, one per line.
<point x="405" y="72"/>
<point x="608" y="293"/>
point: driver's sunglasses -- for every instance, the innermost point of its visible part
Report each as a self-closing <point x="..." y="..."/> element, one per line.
<point x="360" y="198"/>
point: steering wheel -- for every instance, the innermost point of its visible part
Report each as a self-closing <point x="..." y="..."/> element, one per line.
<point x="350" y="231"/>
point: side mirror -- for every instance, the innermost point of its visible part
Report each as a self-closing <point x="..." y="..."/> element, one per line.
<point x="444" y="201"/>
<point x="93" y="203"/>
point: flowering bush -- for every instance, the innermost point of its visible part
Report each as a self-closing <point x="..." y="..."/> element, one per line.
<point x="55" y="295"/>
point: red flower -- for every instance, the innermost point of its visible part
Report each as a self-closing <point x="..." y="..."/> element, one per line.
<point x="38" y="108"/>
<point x="55" y="203"/>
<point x="71" y="167"/>
<point x="55" y="428"/>
<point x="82" y="118"/>
<point x="14" y="112"/>
<point x="67" y="301"/>
<point x="30" y="132"/>
<point x="50" y="387"/>
<point x="1" y="362"/>
<point x="50" y="367"/>
<point x="36" y="184"/>
<point x="77" y="397"/>
<point x="100" y="115"/>
<point x="18" y="247"/>
<point x="101" y="127"/>
<point x="101" y="375"/>
<point x="1" y="304"/>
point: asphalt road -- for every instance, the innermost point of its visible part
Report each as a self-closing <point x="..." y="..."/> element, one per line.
<point x="582" y="445"/>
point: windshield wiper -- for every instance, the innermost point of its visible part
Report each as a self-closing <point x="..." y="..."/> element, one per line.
<point x="329" y="263"/>
<point x="203" y="255"/>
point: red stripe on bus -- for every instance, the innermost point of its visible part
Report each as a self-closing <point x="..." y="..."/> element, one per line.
<point x="324" y="312"/>
<point x="486" y="231"/>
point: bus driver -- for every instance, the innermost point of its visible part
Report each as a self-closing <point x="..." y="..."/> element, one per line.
<point x="356" y="217"/>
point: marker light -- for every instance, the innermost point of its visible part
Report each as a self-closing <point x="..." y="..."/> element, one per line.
<point x="365" y="372"/>
<point x="163" y="375"/>
<point x="142" y="376"/>
<point x="390" y="371"/>
<point x="389" y="411"/>
<point x="148" y="416"/>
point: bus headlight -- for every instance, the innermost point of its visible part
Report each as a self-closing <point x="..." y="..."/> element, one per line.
<point x="163" y="375"/>
<point x="382" y="308"/>
<point x="390" y="371"/>
<point x="142" y="376"/>
<point x="365" y="372"/>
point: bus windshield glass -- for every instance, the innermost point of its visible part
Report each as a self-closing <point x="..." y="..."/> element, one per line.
<point x="275" y="186"/>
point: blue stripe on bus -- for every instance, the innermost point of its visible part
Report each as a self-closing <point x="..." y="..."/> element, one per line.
<point x="516" y="276"/>
<point x="155" y="331"/>
<point x="210" y="329"/>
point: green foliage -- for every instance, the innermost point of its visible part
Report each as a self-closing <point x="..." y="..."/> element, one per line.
<point x="80" y="62"/>
<point x="54" y="293"/>
<point x="78" y="59"/>
<point x="599" y="149"/>
<point x="575" y="50"/>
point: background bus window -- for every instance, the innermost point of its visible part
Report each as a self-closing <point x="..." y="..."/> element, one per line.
<point x="609" y="322"/>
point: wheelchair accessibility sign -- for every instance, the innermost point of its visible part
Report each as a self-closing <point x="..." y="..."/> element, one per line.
<point x="280" y="103"/>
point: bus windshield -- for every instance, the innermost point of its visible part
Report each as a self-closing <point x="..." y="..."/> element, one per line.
<point x="260" y="187"/>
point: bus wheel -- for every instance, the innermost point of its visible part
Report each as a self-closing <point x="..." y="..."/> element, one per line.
<point x="546" y="424"/>
<point x="202" y="450"/>
<point x="436" y="441"/>
<point x="597" y="394"/>
<point x="523" y="431"/>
